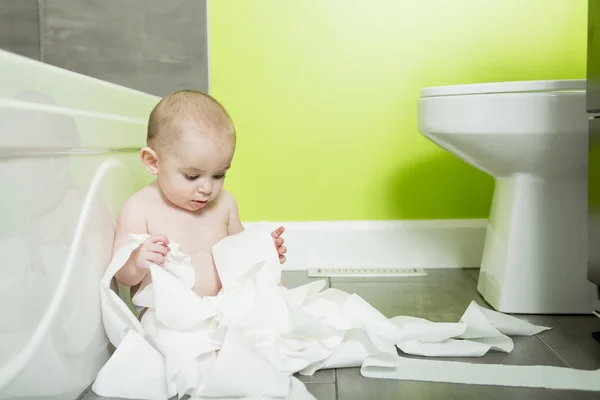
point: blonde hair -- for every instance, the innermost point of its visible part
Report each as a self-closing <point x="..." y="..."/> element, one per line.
<point x="183" y="108"/>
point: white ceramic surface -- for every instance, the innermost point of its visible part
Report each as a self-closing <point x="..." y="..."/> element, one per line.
<point x="535" y="144"/>
<point x="68" y="161"/>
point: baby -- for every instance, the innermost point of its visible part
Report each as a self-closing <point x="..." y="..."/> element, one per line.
<point x="190" y="145"/>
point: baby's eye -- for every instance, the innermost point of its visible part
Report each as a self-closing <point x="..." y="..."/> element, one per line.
<point x="219" y="176"/>
<point x="191" y="177"/>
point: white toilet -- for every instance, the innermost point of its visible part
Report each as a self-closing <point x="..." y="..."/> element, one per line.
<point x="532" y="137"/>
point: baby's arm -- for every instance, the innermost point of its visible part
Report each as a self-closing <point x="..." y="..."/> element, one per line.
<point x="234" y="224"/>
<point x="132" y="221"/>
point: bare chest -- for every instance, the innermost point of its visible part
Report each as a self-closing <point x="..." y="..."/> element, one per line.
<point x="195" y="233"/>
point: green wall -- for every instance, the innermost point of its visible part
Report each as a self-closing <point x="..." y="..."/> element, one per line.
<point x="324" y="96"/>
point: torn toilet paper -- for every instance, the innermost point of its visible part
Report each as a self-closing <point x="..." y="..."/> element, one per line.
<point x="264" y="333"/>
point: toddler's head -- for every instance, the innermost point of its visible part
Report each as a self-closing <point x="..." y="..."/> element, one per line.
<point x="190" y="145"/>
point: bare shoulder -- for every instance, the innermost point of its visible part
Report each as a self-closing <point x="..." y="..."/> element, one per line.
<point x="138" y="205"/>
<point x="133" y="216"/>
<point x="234" y="225"/>
<point x="227" y="200"/>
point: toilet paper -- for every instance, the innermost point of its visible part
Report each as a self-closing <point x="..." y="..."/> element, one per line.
<point x="536" y="376"/>
<point x="258" y="334"/>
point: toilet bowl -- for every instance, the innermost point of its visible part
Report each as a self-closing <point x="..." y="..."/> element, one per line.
<point x="532" y="137"/>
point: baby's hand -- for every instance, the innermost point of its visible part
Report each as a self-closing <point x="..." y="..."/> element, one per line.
<point x="281" y="250"/>
<point x="152" y="251"/>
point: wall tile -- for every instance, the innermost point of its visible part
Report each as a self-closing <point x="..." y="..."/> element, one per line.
<point x="174" y="47"/>
<point x="96" y="38"/>
<point x="20" y="28"/>
<point x="149" y="45"/>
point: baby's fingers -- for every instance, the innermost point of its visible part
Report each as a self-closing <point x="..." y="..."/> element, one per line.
<point x="278" y="232"/>
<point x="282" y="250"/>
<point x="158" y="248"/>
<point x="156" y="258"/>
<point x="157" y="239"/>
<point x="279" y="242"/>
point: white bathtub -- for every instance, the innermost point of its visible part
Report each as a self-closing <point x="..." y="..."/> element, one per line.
<point x="68" y="162"/>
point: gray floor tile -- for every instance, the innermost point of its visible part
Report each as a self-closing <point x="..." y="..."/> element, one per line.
<point x="473" y="272"/>
<point x="92" y="396"/>
<point x="441" y="296"/>
<point x="322" y="391"/>
<point x="322" y="376"/>
<point x="570" y="337"/>
<point x="527" y="351"/>
<point x="353" y="386"/>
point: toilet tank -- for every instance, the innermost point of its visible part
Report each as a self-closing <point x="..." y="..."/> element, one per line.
<point x="68" y="161"/>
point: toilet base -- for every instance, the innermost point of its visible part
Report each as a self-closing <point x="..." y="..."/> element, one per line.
<point x="535" y="253"/>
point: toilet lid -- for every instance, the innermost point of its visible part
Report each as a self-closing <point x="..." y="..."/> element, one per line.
<point x="504" y="87"/>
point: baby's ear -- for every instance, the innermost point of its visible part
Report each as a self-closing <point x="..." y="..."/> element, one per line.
<point x="150" y="160"/>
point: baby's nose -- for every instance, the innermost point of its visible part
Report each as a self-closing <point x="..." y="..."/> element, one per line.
<point x="205" y="187"/>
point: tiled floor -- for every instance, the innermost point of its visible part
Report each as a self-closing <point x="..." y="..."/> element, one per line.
<point x="443" y="296"/>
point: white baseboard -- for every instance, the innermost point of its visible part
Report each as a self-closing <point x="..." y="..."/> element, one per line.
<point x="452" y="243"/>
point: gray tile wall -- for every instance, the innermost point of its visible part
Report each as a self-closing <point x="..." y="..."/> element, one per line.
<point x="155" y="46"/>
<point x="20" y="28"/>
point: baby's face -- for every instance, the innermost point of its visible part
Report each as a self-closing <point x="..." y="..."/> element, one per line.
<point x="192" y="173"/>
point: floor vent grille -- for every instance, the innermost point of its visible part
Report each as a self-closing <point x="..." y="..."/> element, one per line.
<point x="365" y="272"/>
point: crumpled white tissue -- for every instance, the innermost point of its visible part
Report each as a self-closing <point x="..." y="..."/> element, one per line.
<point x="264" y="333"/>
